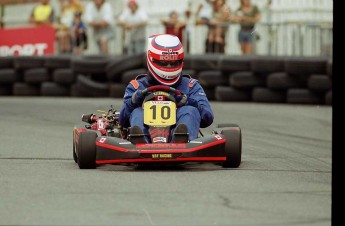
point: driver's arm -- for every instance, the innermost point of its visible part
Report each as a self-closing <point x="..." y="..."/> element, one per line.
<point x="127" y="106"/>
<point x="197" y="98"/>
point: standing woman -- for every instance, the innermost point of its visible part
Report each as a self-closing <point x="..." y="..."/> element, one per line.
<point x="217" y="27"/>
<point x="247" y="15"/>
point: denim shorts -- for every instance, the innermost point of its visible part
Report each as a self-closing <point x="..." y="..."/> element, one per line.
<point x="246" y="36"/>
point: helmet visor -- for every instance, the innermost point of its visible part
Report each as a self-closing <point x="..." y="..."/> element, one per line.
<point x="168" y="64"/>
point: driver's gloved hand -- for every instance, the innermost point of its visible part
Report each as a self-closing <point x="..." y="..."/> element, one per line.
<point x="192" y="102"/>
<point x="184" y="100"/>
<point x="137" y="97"/>
<point x="181" y="100"/>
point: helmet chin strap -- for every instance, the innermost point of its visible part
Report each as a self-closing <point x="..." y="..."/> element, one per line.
<point x="152" y="80"/>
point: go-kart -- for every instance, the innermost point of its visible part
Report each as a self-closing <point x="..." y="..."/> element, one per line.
<point x="104" y="141"/>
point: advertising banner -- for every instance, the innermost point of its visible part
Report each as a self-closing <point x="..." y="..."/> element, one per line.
<point x="27" y="41"/>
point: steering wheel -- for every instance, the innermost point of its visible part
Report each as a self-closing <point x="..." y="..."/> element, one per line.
<point x="165" y="89"/>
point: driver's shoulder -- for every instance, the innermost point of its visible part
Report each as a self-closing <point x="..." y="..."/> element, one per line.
<point x="188" y="79"/>
<point x="139" y="79"/>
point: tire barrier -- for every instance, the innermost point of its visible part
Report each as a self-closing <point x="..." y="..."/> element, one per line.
<point x="269" y="79"/>
<point x="36" y="76"/>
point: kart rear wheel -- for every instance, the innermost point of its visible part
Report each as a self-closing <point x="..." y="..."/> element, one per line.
<point x="75" y="157"/>
<point x="233" y="146"/>
<point x="87" y="150"/>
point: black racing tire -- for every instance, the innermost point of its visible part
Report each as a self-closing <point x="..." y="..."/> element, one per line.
<point x="246" y="80"/>
<point x="233" y="146"/>
<point x="117" y="90"/>
<point x="261" y="94"/>
<point x="205" y="62"/>
<point x="76" y="91"/>
<point x="190" y="72"/>
<point x="8" y="76"/>
<point x="36" y="75"/>
<point x="117" y="66"/>
<point x="23" y="89"/>
<point x="265" y="65"/>
<point x="64" y="76"/>
<point x="93" y="88"/>
<point x="283" y="81"/>
<point x="303" y="96"/>
<point x="27" y="62"/>
<point x="53" y="62"/>
<point x="319" y="83"/>
<point x="129" y="75"/>
<point x="91" y="64"/>
<point x="303" y="67"/>
<point x="227" y="93"/>
<point x="210" y="93"/>
<point x="86" y="150"/>
<point x="329" y="69"/>
<point x="187" y="62"/>
<point x="6" y="62"/>
<point x="231" y="64"/>
<point x="5" y="90"/>
<point x="75" y="157"/>
<point x="328" y="98"/>
<point x="212" y="79"/>
<point x="53" y="89"/>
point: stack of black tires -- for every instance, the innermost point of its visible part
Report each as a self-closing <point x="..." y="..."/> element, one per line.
<point x="270" y="79"/>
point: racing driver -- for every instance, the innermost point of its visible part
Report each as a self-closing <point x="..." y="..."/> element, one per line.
<point x="164" y="59"/>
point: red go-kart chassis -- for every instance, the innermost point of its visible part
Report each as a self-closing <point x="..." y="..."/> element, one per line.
<point x="96" y="150"/>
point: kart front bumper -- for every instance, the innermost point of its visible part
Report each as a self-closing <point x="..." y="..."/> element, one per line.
<point x="112" y="150"/>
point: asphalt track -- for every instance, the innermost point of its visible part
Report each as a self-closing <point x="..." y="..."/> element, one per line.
<point x="284" y="178"/>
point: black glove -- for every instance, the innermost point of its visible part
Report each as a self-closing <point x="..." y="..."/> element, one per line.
<point x="137" y="97"/>
<point x="184" y="100"/>
<point x="181" y="100"/>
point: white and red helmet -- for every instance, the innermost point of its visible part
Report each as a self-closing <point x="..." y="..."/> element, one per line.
<point x="165" y="58"/>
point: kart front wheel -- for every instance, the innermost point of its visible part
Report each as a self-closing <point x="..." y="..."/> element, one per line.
<point x="233" y="146"/>
<point x="86" y="149"/>
<point x="222" y="125"/>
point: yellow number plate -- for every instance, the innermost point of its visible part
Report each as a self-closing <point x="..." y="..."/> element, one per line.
<point x="159" y="113"/>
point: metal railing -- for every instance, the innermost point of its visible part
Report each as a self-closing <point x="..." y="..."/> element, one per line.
<point x="285" y="38"/>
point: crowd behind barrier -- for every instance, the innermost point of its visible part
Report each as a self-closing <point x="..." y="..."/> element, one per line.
<point x="268" y="79"/>
<point x="280" y="31"/>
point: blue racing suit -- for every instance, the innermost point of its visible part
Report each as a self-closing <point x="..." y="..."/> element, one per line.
<point x="194" y="114"/>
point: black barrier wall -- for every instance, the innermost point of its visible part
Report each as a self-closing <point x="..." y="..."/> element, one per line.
<point x="271" y="79"/>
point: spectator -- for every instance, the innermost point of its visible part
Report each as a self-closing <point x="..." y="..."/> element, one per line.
<point x="68" y="9"/>
<point x="79" y="34"/>
<point x="204" y="12"/>
<point x="134" y="21"/>
<point x="174" y="26"/>
<point x="247" y="15"/>
<point x="99" y="16"/>
<point x="187" y="32"/>
<point x="217" y="26"/>
<point x="42" y="14"/>
<point x="214" y="15"/>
